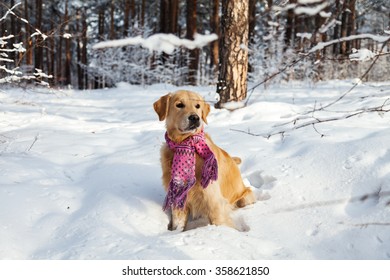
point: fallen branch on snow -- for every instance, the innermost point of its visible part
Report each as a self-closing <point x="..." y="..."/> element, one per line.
<point x="362" y="198"/>
<point x="312" y="121"/>
<point x="33" y="143"/>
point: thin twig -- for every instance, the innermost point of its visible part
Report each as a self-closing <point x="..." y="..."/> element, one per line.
<point x="315" y="120"/>
<point x="282" y="70"/>
<point x="360" y="198"/>
<point x="33" y="143"/>
<point x="354" y="85"/>
<point x="366" y="224"/>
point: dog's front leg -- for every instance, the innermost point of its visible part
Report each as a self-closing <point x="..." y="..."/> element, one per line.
<point x="179" y="218"/>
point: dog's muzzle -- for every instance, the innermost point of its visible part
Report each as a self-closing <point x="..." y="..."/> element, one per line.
<point x="193" y="121"/>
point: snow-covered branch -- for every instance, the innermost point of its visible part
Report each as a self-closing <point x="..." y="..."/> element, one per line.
<point x="361" y="55"/>
<point x="305" y="7"/>
<point x="311" y="11"/>
<point x="322" y="45"/>
<point x="160" y="42"/>
<point x="9" y="12"/>
<point x="15" y="75"/>
<point x="357" y="55"/>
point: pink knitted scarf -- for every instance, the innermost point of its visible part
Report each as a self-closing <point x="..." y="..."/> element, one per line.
<point x="183" y="168"/>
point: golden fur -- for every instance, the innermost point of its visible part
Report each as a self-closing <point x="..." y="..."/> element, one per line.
<point x="217" y="200"/>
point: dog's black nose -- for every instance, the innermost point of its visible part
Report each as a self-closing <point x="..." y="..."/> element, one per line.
<point x="193" y="118"/>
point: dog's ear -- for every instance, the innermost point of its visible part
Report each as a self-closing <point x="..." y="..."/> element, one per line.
<point x="205" y="112"/>
<point x="161" y="106"/>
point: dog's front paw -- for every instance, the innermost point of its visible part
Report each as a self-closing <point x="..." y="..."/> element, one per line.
<point x="170" y="225"/>
<point x="173" y="227"/>
<point x="178" y="219"/>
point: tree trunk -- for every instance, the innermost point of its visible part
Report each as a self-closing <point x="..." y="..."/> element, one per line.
<point x="143" y="7"/>
<point x="319" y="37"/>
<point x="351" y="29"/>
<point x="3" y="24"/>
<point x="84" y="54"/>
<point x="290" y="27"/>
<point x="51" y="51"/>
<point x="13" y="31"/>
<point x="38" y="39"/>
<point x="80" y="80"/>
<point x="164" y="16"/>
<point x="344" y="26"/>
<point x="99" y="81"/>
<point x="251" y="19"/>
<point x="133" y="12"/>
<point x="214" y="46"/>
<point x="58" y="57"/>
<point x="112" y="20"/>
<point x="29" y="54"/>
<point x="232" y="81"/>
<point x="126" y="18"/>
<point x="101" y="22"/>
<point x="336" y="31"/>
<point x="68" y="55"/>
<point x="173" y="11"/>
<point x="193" y="54"/>
<point x="164" y="25"/>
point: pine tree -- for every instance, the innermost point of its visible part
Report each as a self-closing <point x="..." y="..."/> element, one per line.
<point x="233" y="55"/>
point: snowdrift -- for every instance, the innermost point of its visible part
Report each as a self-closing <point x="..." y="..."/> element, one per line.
<point x="80" y="176"/>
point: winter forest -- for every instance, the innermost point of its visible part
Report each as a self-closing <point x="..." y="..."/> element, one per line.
<point x="311" y="40"/>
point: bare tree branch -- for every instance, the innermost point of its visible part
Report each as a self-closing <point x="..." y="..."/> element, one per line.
<point x="320" y="46"/>
<point x="282" y="70"/>
<point x="312" y="121"/>
<point x="365" y="225"/>
<point x="33" y="143"/>
<point x="354" y="85"/>
<point x="377" y="38"/>
<point x="360" y="198"/>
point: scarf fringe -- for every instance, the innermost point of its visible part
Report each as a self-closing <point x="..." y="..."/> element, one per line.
<point x="177" y="194"/>
<point x="209" y="171"/>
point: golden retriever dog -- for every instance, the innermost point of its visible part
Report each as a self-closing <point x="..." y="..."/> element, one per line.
<point x="185" y="114"/>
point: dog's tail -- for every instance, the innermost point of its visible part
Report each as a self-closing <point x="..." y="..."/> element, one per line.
<point x="247" y="197"/>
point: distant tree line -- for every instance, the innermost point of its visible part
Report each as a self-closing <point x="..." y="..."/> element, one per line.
<point x="279" y="32"/>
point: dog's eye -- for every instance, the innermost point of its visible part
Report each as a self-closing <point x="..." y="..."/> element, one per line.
<point x="180" y="105"/>
<point x="197" y="106"/>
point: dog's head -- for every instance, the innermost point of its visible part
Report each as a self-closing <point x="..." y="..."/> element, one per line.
<point x="184" y="113"/>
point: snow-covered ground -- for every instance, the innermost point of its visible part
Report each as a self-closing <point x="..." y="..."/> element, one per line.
<point x="80" y="176"/>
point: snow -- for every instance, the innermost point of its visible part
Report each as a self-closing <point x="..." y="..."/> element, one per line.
<point x="2" y="39"/>
<point x="44" y="37"/>
<point x="160" y="42"/>
<point x="325" y="14"/>
<point x="233" y="105"/>
<point x="310" y="11"/>
<point x="304" y="35"/>
<point x="305" y="2"/>
<point x="80" y="176"/>
<point x="330" y="24"/>
<point x="361" y="55"/>
<point x="67" y="35"/>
